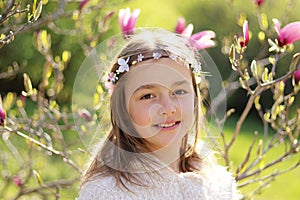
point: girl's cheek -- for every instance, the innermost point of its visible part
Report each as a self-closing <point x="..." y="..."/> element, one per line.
<point x="141" y="115"/>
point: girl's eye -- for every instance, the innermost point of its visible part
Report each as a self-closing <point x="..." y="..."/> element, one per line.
<point x="179" y="92"/>
<point x="147" y="96"/>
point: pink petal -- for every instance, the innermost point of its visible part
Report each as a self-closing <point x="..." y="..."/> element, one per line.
<point x="82" y="4"/>
<point x="277" y="25"/>
<point x="132" y="20"/>
<point x="291" y="32"/>
<point x="86" y="114"/>
<point x="207" y="33"/>
<point x="296" y="76"/>
<point x="203" y="39"/>
<point x="187" y="32"/>
<point x="121" y="16"/>
<point x="2" y="116"/>
<point x="180" y="26"/>
<point x="136" y="13"/>
<point x="127" y="20"/>
<point x="126" y="17"/>
<point x="258" y="2"/>
<point x="203" y="43"/>
<point x="246" y="32"/>
<point x="17" y="181"/>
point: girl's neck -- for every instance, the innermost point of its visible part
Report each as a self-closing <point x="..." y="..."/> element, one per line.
<point x="169" y="156"/>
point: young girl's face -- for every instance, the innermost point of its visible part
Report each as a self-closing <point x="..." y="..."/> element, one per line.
<point x="160" y="101"/>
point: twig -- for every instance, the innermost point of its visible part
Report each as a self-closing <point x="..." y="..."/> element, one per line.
<point x="280" y="159"/>
<point x="241" y="121"/>
<point x="64" y="156"/>
<point x="5" y="14"/>
<point x="55" y="184"/>
<point x="242" y="165"/>
<point x="277" y="173"/>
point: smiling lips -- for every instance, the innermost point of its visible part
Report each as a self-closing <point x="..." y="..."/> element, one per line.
<point x="169" y="125"/>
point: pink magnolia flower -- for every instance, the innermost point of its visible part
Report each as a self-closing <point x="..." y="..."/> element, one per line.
<point x="296" y="76"/>
<point x="203" y="39"/>
<point x="127" y="20"/>
<point x="200" y="40"/>
<point x="85" y="114"/>
<point x="180" y="26"/>
<point x="82" y="4"/>
<point x="259" y="2"/>
<point x="288" y="34"/>
<point x="182" y="29"/>
<point x="244" y="43"/>
<point x="23" y="98"/>
<point x="17" y="181"/>
<point x="2" y="116"/>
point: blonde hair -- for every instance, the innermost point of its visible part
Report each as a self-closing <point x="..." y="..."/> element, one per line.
<point x="112" y="157"/>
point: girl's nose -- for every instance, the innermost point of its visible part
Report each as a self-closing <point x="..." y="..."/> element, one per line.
<point x="168" y="106"/>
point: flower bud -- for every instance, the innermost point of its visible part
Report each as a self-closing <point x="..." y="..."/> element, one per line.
<point x="85" y="114"/>
<point x="2" y="116"/>
<point x="17" y="181"/>
<point x="296" y="77"/>
<point x="259" y="2"/>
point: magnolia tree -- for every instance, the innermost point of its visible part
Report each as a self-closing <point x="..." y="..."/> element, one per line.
<point x="41" y="150"/>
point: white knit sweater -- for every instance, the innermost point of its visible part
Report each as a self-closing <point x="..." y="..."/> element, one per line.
<point x="213" y="183"/>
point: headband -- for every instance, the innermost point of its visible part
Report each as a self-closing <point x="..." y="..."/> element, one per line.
<point x="124" y="63"/>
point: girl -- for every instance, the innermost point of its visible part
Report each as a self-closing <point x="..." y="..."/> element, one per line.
<point x="153" y="148"/>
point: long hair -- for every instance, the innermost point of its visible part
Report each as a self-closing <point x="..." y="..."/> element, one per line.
<point x="122" y="147"/>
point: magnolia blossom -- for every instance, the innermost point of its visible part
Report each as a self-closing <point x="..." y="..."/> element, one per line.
<point x="127" y="20"/>
<point x="182" y="29"/>
<point x="2" y="116"/>
<point x="180" y="26"/>
<point x="17" y="181"/>
<point x="23" y="98"/>
<point x="259" y="2"/>
<point x="296" y="77"/>
<point x="288" y="34"/>
<point x="203" y="39"/>
<point x="244" y="43"/>
<point x="85" y="114"/>
<point x="200" y="40"/>
<point x="82" y="4"/>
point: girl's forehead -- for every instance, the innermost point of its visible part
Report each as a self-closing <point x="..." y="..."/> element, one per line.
<point x="165" y="72"/>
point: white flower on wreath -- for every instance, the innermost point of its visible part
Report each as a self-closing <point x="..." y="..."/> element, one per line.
<point x="123" y="65"/>
<point x="173" y="57"/>
<point x="156" y="55"/>
<point x="140" y="58"/>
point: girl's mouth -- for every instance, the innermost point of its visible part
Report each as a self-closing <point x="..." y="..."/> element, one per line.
<point x="169" y="126"/>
